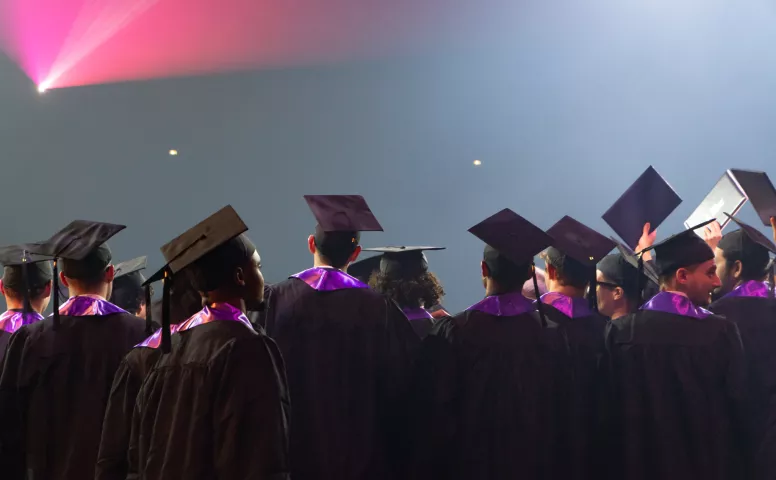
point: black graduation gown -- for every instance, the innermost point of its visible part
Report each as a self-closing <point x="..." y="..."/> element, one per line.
<point x="677" y="387"/>
<point x="53" y="391"/>
<point x="583" y="418"/>
<point x="349" y="357"/>
<point x="756" y="320"/>
<point x="112" y="462"/>
<point x="216" y="407"/>
<point x="5" y="337"/>
<point x="486" y="399"/>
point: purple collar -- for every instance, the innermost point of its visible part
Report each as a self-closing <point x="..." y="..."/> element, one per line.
<point x="751" y="288"/>
<point x="572" y="307"/>
<point x="418" y="313"/>
<point x="156" y="339"/>
<point x="216" y="312"/>
<point x="677" y="304"/>
<point x="327" y="279"/>
<point x="88" y="305"/>
<point x="506" y="305"/>
<point x="13" y="320"/>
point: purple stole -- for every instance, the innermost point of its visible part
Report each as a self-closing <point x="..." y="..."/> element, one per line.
<point x="572" y="307"/>
<point x="88" y="305"/>
<point x="669" y="302"/>
<point x="506" y="305"/>
<point x="13" y="320"/>
<point x="217" y="312"/>
<point x="327" y="279"/>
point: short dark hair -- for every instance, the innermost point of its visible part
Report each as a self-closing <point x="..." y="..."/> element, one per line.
<point x="754" y="262"/>
<point x="508" y="274"/>
<point x="409" y="292"/>
<point x="216" y="269"/>
<point x="35" y="292"/>
<point x="570" y="272"/>
<point x="130" y="300"/>
<point x="335" y="248"/>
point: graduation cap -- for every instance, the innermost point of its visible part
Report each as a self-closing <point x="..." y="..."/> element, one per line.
<point x="578" y="248"/>
<point x="81" y="246"/>
<point x="626" y="270"/>
<point x="340" y="219"/>
<point x="190" y="247"/>
<point x="510" y="237"/>
<point x="650" y="199"/>
<point x="24" y="271"/>
<point x="681" y="250"/>
<point x="760" y="191"/>
<point x="403" y="262"/>
<point x="363" y="269"/>
<point x="128" y="280"/>
<point x="750" y="245"/>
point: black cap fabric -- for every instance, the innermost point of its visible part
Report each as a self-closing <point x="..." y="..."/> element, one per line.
<point x="403" y="262"/>
<point x="342" y="213"/>
<point x="78" y="240"/>
<point x="128" y="284"/>
<point x="681" y="250"/>
<point x="512" y="236"/>
<point x="39" y="270"/>
<point x="579" y="241"/>
<point x="630" y="256"/>
<point x="747" y="245"/>
<point x="363" y="269"/>
<point x="650" y="199"/>
<point x="760" y="191"/>
<point x="131" y="266"/>
<point x="751" y="234"/>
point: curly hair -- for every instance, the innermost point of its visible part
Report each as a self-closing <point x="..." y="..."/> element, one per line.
<point x="409" y="292"/>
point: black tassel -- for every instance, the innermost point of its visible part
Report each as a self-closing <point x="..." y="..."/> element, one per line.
<point x="642" y="284"/>
<point x="149" y="315"/>
<point x="166" y="340"/>
<point x="771" y="275"/>
<point x="27" y="305"/>
<point x="55" y="298"/>
<point x="539" y="305"/>
<point x="592" y="294"/>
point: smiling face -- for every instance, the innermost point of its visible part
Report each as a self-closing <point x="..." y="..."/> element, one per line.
<point x="699" y="282"/>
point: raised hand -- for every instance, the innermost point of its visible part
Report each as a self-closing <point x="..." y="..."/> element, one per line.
<point x="712" y="234"/>
<point x="647" y="240"/>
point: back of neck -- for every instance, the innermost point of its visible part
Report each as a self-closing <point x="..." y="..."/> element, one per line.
<point x="571" y="292"/>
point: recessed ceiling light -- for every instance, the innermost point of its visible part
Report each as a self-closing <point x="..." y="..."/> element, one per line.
<point x="477" y="163"/>
<point x="173" y="152"/>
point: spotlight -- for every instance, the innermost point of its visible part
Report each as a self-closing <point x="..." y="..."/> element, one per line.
<point x="173" y="153"/>
<point x="477" y="163"/>
<point x="43" y="87"/>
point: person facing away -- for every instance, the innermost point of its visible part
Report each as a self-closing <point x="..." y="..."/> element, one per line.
<point x="484" y="394"/>
<point x="570" y="266"/>
<point x="128" y="292"/>
<point x="57" y="372"/>
<point x="405" y="278"/>
<point x="677" y="374"/>
<point x="216" y="405"/>
<point x="349" y="353"/>
<point x="112" y="460"/>
<point x="742" y="258"/>
<point x="26" y="298"/>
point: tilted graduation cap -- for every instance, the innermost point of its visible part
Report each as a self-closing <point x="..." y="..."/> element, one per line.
<point x="650" y="199"/>
<point x="514" y="238"/>
<point x="363" y="269"/>
<point x="681" y="250"/>
<point x="340" y="219"/>
<point x="403" y="262"/>
<point x="189" y="247"/>
<point x="747" y="244"/>
<point x="129" y="279"/>
<point x="576" y="246"/>
<point x="24" y="271"/>
<point x="82" y="242"/>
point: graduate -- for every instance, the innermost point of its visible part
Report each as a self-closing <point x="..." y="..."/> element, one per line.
<point x="112" y="460"/>
<point x="57" y="372"/>
<point x="570" y="272"/>
<point x="485" y="391"/>
<point x="405" y="278"/>
<point x="622" y="284"/>
<point x="349" y="353"/>
<point x="744" y="296"/>
<point x="27" y="290"/>
<point x="128" y="292"/>
<point x="216" y="405"/>
<point x="677" y="373"/>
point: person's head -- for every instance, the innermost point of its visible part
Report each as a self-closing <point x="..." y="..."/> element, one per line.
<point x="502" y="275"/>
<point x="334" y="249"/>
<point x="422" y="290"/>
<point x="92" y="275"/>
<point x="619" y="290"/>
<point x="563" y="273"/>
<point x="230" y="273"/>
<point x="185" y="300"/>
<point x="739" y="259"/>
<point x="39" y="284"/>
<point x="129" y="294"/>
<point x="685" y="264"/>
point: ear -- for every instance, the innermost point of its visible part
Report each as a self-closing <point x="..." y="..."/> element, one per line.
<point x="681" y="276"/>
<point x="2" y="287"/>
<point x="618" y="293"/>
<point x="485" y="270"/>
<point x="47" y="290"/>
<point x="311" y="244"/>
<point x="550" y="272"/>
<point x="737" y="270"/>
<point x="355" y="254"/>
<point x="110" y="274"/>
<point x="63" y="279"/>
<point x="239" y="276"/>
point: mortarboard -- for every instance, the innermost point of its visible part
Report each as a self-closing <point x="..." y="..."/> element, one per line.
<point x="82" y="245"/>
<point x="24" y="271"/>
<point x="128" y="280"/>
<point x="514" y="238"/>
<point x="760" y="191"/>
<point x="577" y="247"/>
<point x="749" y="244"/>
<point x="340" y="219"/>
<point x="403" y="261"/>
<point x="681" y="250"/>
<point x="188" y="248"/>
<point x="129" y="267"/>
<point x="650" y="199"/>
<point x="363" y="269"/>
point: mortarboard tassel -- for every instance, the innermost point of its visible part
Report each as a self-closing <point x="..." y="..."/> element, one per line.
<point x="55" y="297"/>
<point x="166" y="340"/>
<point x="641" y="283"/>
<point x="771" y="275"/>
<point x="538" y="294"/>
<point x="149" y="315"/>
<point x="592" y="294"/>
<point x="27" y="305"/>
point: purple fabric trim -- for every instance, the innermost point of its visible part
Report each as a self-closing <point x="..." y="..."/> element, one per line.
<point x="88" y="305"/>
<point x="13" y="320"/>
<point x="419" y="313"/>
<point x="568" y="306"/>
<point x="677" y="304"/>
<point x="217" y="312"/>
<point x="751" y="288"/>
<point x="507" y="305"/>
<point x="326" y="279"/>
<point x="156" y="339"/>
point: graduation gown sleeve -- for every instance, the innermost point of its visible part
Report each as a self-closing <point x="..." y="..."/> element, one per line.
<point x="13" y="408"/>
